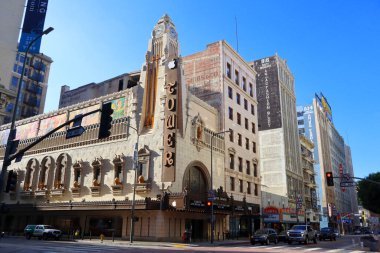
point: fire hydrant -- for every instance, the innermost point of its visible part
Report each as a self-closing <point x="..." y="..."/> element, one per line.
<point x="101" y="238"/>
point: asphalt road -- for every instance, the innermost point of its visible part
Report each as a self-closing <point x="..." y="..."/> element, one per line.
<point x="21" y="245"/>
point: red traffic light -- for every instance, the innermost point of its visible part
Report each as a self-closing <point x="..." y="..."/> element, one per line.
<point x="209" y="203"/>
<point x="329" y="179"/>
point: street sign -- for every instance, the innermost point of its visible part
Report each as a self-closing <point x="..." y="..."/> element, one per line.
<point x="346" y="181"/>
<point x="347" y="184"/>
<point x="74" y="132"/>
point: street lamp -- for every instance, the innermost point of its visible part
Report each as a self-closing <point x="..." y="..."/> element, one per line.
<point x="12" y="132"/>
<point x="212" y="188"/>
<point x="135" y="163"/>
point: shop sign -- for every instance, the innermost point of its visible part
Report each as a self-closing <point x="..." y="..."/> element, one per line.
<point x="270" y="210"/>
<point x="271" y="217"/>
<point x="197" y="203"/>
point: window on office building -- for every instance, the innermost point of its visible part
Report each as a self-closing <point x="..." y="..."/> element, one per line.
<point x="255" y="170"/>
<point x="256" y="190"/>
<point x="238" y="118"/>
<point x="236" y="77"/>
<point x="246" y="124"/>
<point x="232" y="184"/>
<point x="231" y="135"/>
<point x="248" y="187"/>
<point x="238" y="98"/>
<point x="244" y="84"/>
<point x="232" y="161"/>
<point x="228" y="70"/>
<point x="239" y="140"/>
<point x="245" y="104"/>
<point x="248" y="167"/>
<point x="246" y="143"/>
<point x="252" y="109"/>
<point x="230" y="113"/>
<point x="240" y="185"/>
<point x="240" y="164"/>
<point x="230" y="92"/>
<point x="250" y="89"/>
<point x="254" y="147"/>
<point x="253" y="128"/>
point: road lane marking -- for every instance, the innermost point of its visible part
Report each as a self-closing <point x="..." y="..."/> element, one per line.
<point x="312" y="249"/>
<point x="334" y="250"/>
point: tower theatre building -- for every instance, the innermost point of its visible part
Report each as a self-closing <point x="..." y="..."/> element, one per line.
<point x="87" y="183"/>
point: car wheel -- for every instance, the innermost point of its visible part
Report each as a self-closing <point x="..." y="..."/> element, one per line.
<point x="306" y="240"/>
<point x="267" y="241"/>
<point x="289" y="242"/>
<point x="315" y="240"/>
<point x="261" y="243"/>
<point x="253" y="243"/>
<point x="334" y="238"/>
<point x="40" y="238"/>
<point x="28" y="236"/>
<point x="45" y="237"/>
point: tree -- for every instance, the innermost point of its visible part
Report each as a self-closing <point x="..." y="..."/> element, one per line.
<point x="369" y="192"/>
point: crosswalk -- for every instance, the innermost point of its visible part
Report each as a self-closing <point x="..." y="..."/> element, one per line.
<point x="77" y="248"/>
<point x="303" y="249"/>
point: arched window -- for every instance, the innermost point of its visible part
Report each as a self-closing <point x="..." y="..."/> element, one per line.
<point x="46" y="165"/>
<point x="75" y="190"/>
<point x="31" y="168"/>
<point x="195" y="181"/>
<point x="60" y="172"/>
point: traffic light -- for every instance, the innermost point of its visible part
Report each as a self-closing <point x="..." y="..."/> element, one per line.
<point x="11" y="182"/>
<point x="105" y="121"/>
<point x="329" y="179"/>
<point x="208" y="205"/>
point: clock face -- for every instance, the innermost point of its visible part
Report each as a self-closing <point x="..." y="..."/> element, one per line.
<point x="159" y="30"/>
<point x="172" y="32"/>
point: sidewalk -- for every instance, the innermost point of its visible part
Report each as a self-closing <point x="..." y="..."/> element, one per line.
<point x="165" y="244"/>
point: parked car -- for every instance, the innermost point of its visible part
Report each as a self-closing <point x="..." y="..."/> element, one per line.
<point x="302" y="233"/>
<point x="327" y="233"/>
<point x="283" y="236"/>
<point x="266" y="235"/>
<point x="28" y="231"/>
<point x="44" y="232"/>
<point x="337" y="234"/>
<point x="367" y="231"/>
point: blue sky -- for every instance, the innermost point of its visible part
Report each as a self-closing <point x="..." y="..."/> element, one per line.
<point x="331" y="47"/>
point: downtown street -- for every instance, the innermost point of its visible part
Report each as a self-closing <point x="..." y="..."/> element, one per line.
<point x="346" y="244"/>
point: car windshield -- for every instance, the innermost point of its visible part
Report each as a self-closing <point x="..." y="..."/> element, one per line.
<point x="261" y="232"/>
<point x="298" y="227"/>
<point x="49" y="227"/>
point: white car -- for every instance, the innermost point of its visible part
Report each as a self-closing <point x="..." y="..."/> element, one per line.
<point x="46" y="231"/>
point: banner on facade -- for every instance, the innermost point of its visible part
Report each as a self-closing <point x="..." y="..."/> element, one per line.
<point x="27" y="131"/>
<point x="46" y="125"/>
<point x="33" y="25"/>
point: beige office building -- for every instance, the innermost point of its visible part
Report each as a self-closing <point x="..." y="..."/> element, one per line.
<point x="280" y="157"/>
<point x="220" y="77"/>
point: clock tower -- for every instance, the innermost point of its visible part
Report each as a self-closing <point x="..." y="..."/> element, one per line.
<point x="164" y="92"/>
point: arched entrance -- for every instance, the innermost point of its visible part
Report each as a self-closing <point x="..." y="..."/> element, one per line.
<point x="196" y="183"/>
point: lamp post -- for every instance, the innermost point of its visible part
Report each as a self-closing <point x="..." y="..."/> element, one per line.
<point x="12" y="132"/>
<point x="135" y="163"/>
<point x="212" y="188"/>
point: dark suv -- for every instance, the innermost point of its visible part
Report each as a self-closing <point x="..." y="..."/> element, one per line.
<point x="327" y="233"/>
<point x="28" y="231"/>
<point x="266" y="235"/>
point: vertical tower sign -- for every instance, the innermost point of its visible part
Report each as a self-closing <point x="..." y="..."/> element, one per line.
<point x="268" y="94"/>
